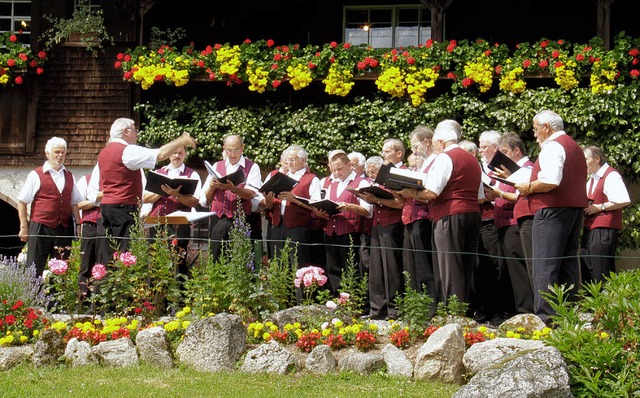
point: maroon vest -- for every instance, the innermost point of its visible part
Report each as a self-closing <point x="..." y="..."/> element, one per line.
<point x="414" y="210"/>
<point x="605" y="219"/>
<point x="119" y="185"/>
<point x="571" y="192"/>
<point x="92" y="214"/>
<point x="50" y="207"/>
<point x="294" y="215"/>
<point x="521" y="207"/>
<point x="385" y="216"/>
<point x="225" y="203"/>
<point x="168" y="204"/>
<point x="345" y="222"/>
<point x="460" y="195"/>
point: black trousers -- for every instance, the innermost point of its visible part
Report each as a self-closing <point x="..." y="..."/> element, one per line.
<point x="89" y="249"/>
<point x="598" y="250"/>
<point x="337" y="254"/>
<point x="385" y="272"/>
<point x="456" y="240"/>
<point x="219" y="229"/>
<point x="45" y="242"/>
<point x="417" y="260"/>
<point x="556" y="234"/>
<point x="117" y="221"/>
<point x="513" y="253"/>
<point x="298" y="236"/>
<point x="486" y="290"/>
<point x="526" y="239"/>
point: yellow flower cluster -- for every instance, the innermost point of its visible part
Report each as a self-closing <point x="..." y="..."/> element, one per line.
<point x="540" y="334"/>
<point x="512" y="81"/>
<point x="338" y="81"/>
<point x="147" y="75"/>
<point x="258" y="78"/>
<point x="229" y="59"/>
<point x="480" y="72"/>
<point x="299" y="76"/>
<point x="418" y="83"/>
<point x="566" y="75"/>
<point x="4" y="79"/>
<point x="602" y="78"/>
<point x="11" y="337"/>
<point x="391" y="81"/>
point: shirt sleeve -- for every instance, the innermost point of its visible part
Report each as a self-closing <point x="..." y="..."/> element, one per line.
<point x="136" y="157"/>
<point x="368" y="206"/>
<point x="551" y="159"/>
<point x="615" y="189"/>
<point x="203" y="192"/>
<point x="439" y="174"/>
<point x="94" y="186"/>
<point x="30" y="188"/>
<point x="254" y="179"/>
<point x="314" y="189"/>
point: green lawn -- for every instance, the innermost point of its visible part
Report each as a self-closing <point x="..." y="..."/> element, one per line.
<point x="146" y="381"/>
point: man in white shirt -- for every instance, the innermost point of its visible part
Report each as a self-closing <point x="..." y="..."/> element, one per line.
<point x="223" y="196"/>
<point x="607" y="196"/>
<point x="54" y="197"/>
<point x="117" y="181"/>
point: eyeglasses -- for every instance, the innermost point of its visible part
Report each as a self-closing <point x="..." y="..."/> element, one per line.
<point x="230" y="150"/>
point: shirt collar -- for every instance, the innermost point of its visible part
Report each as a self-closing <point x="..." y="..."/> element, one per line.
<point x="552" y="137"/>
<point x="601" y="170"/>
<point x="349" y="178"/>
<point x="120" y="140"/>
<point x="299" y="173"/>
<point x="47" y="167"/>
<point x="170" y="167"/>
<point x="522" y="161"/>
<point x="241" y="162"/>
<point x="450" y="147"/>
<point x="399" y="164"/>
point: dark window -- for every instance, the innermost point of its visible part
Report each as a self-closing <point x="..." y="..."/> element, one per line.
<point x="387" y="26"/>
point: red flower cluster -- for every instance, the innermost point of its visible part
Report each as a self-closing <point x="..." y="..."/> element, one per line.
<point x="470" y="338"/>
<point x="308" y="341"/>
<point x="335" y="341"/>
<point x="400" y="338"/>
<point x="365" y="340"/>
<point x="429" y="331"/>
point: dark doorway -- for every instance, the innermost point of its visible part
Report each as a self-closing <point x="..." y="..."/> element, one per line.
<point x="10" y="244"/>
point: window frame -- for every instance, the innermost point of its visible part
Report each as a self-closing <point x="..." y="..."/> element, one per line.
<point x="395" y="23"/>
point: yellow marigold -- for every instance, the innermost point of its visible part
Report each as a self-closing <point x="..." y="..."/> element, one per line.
<point x="185" y="324"/>
<point x="326" y="332"/>
<point x="338" y="81"/>
<point x="480" y="72"/>
<point x="266" y="336"/>
<point x="392" y="82"/>
<point x="512" y="81"/>
<point x="566" y="75"/>
<point x="418" y="83"/>
<point x="299" y="76"/>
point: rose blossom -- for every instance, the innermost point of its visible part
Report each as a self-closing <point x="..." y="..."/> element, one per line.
<point x="127" y="259"/>
<point x="58" y="267"/>
<point x="331" y="305"/>
<point x="98" y="272"/>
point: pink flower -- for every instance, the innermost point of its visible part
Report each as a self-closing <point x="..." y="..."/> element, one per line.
<point x="58" y="267"/>
<point x="331" y="305"/>
<point x="98" y="272"/>
<point x="343" y="299"/>
<point x="307" y="276"/>
<point x="127" y="259"/>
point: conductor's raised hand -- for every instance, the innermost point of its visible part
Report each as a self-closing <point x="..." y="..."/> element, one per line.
<point x="188" y="140"/>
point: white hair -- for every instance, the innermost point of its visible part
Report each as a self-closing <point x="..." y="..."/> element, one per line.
<point x="359" y="156"/>
<point x="55" y="142"/>
<point x="469" y="146"/>
<point x="491" y="137"/>
<point x="449" y="124"/>
<point x="377" y="160"/>
<point x="298" y="150"/>
<point x="447" y="130"/>
<point x="551" y="118"/>
<point x="119" y="126"/>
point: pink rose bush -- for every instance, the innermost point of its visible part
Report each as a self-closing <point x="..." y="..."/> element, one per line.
<point x="307" y="276"/>
<point x="98" y="271"/>
<point x="57" y="266"/>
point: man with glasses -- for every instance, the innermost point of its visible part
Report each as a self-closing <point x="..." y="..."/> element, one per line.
<point x="223" y="196"/>
<point x="117" y="181"/>
<point x="557" y="198"/>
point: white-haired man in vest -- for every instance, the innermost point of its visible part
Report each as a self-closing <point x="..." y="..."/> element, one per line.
<point x="54" y="214"/>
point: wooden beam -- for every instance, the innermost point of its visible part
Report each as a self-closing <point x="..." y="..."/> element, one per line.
<point x="437" y="8"/>
<point x="604" y="22"/>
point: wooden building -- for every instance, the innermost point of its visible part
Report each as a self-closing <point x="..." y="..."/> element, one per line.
<point x="79" y="95"/>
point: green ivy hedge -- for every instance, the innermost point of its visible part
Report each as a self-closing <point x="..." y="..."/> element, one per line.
<point x="610" y="121"/>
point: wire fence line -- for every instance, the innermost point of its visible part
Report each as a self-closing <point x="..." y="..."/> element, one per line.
<point x="205" y="242"/>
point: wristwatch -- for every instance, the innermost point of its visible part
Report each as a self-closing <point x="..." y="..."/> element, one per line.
<point x="602" y="207"/>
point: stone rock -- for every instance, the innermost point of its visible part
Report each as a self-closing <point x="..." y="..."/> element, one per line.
<point x="269" y="358"/>
<point x="529" y="322"/>
<point x="494" y="352"/>
<point x="49" y="347"/>
<point x="295" y="314"/>
<point x="398" y="364"/>
<point x="213" y="344"/>
<point x="121" y="352"/>
<point x="361" y="363"/>
<point x="539" y="373"/>
<point x="13" y="356"/>
<point x="154" y="347"/>
<point x="78" y="353"/>
<point x="321" y="360"/>
<point x="440" y="357"/>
